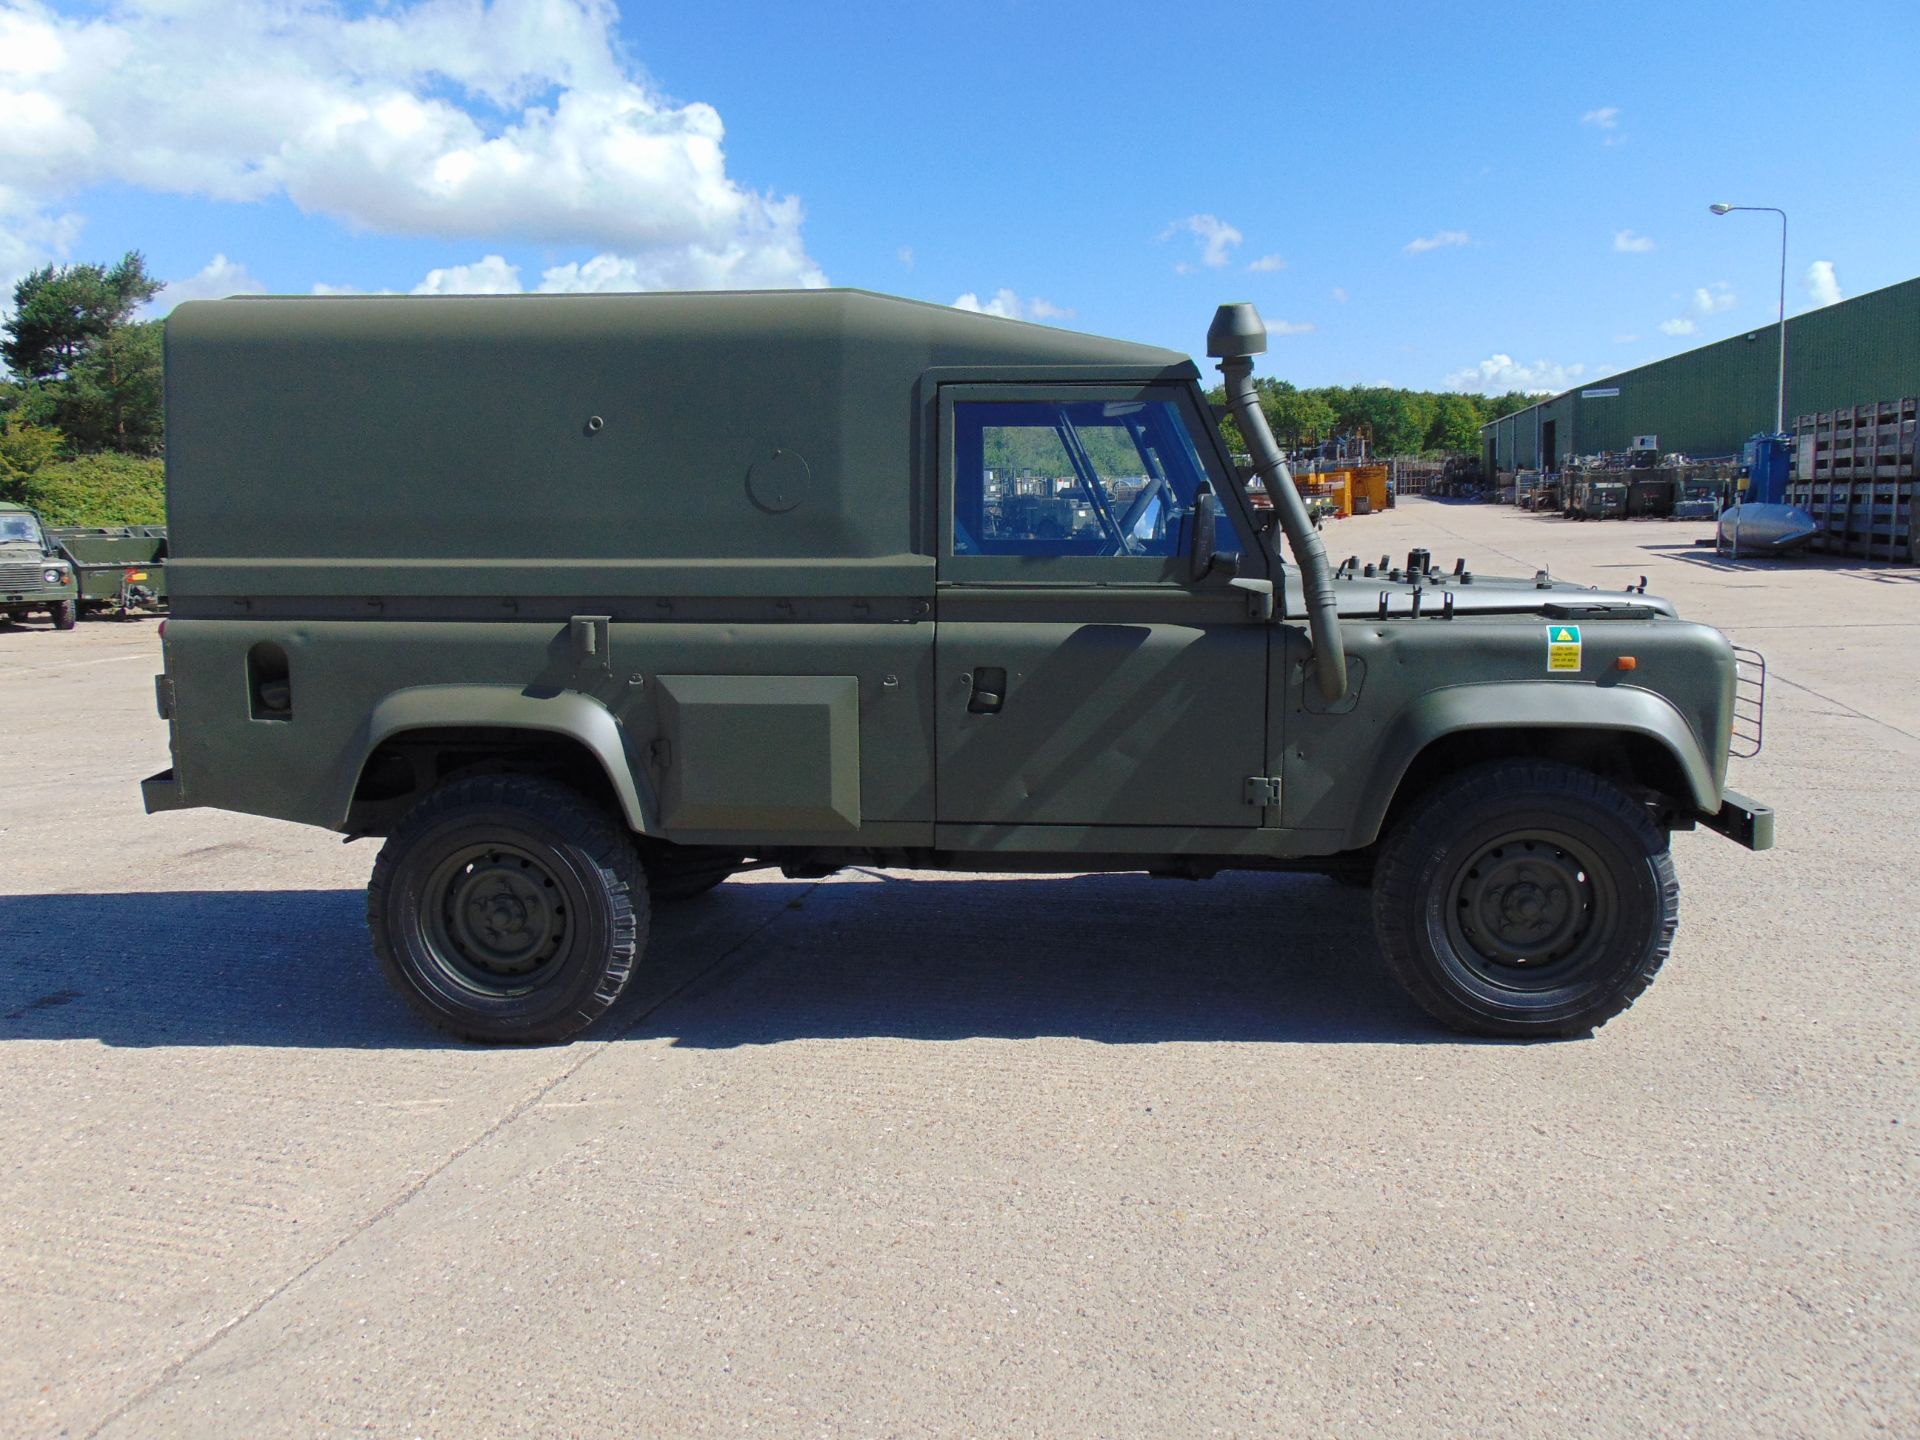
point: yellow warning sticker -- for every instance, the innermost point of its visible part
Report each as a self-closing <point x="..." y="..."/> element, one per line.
<point x="1563" y="647"/>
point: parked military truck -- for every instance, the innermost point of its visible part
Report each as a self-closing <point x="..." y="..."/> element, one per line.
<point x="585" y="603"/>
<point x="33" y="575"/>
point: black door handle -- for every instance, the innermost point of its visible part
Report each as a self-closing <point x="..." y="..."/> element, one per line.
<point x="989" y="690"/>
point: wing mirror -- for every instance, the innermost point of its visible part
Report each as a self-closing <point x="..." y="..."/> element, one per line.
<point x="1203" y="559"/>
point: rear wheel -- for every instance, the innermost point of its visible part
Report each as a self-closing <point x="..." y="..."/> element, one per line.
<point x="1526" y="898"/>
<point x="508" y="908"/>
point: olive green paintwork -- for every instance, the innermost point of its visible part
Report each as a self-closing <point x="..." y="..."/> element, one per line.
<point x="123" y="566"/>
<point x="24" y="565"/>
<point x="706" y="540"/>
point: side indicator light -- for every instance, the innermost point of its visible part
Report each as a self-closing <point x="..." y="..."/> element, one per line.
<point x="1626" y="662"/>
<point x="136" y="575"/>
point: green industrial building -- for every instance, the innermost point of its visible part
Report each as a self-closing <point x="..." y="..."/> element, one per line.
<point x="1707" y="402"/>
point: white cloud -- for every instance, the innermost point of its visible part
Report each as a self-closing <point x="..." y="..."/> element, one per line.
<point x="1626" y="339"/>
<point x="1439" y="240"/>
<point x="1290" y="327"/>
<point x="1823" y="286"/>
<point x="1499" y="373"/>
<point x="905" y="252"/>
<point x="1706" y="301"/>
<point x="491" y="275"/>
<point x="1607" y="121"/>
<point x="1215" y="236"/>
<point x="1009" y="306"/>
<point x="30" y="234"/>
<point x="1004" y="303"/>
<point x="220" y="278"/>
<point x="1629" y="243"/>
<point x="1711" y="300"/>
<point x="1340" y="294"/>
<point x="1267" y="264"/>
<point x="520" y="120"/>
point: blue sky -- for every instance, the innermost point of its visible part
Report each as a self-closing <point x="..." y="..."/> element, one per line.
<point x="1475" y="196"/>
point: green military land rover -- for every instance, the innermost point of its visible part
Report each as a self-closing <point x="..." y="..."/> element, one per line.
<point x="33" y="575"/>
<point x="585" y="603"/>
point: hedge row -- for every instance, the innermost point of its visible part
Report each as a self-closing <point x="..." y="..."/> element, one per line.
<point x="104" y="489"/>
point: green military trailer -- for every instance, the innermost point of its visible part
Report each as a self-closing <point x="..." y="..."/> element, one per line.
<point x="33" y="574"/>
<point x="122" y="569"/>
<point x="1596" y="499"/>
<point x="586" y="603"/>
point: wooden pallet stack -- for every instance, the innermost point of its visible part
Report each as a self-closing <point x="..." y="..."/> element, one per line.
<point x="1853" y="471"/>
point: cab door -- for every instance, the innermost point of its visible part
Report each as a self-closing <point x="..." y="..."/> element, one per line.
<point x="1085" y="677"/>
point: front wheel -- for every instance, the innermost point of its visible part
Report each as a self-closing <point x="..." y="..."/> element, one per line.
<point x="1527" y="899"/>
<point x="66" y="614"/>
<point x="508" y="908"/>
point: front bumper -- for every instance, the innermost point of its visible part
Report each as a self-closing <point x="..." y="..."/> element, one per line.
<point x="37" y="599"/>
<point x="1742" y="820"/>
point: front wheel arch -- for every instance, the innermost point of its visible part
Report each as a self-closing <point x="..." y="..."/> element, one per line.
<point x="1630" y="736"/>
<point x="1633" y="761"/>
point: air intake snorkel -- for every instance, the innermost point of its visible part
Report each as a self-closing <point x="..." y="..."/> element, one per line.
<point x="1235" y="337"/>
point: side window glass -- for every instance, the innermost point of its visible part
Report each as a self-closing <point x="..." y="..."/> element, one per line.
<point x="1099" y="477"/>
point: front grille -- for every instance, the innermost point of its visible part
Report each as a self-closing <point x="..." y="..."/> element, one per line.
<point x="17" y="575"/>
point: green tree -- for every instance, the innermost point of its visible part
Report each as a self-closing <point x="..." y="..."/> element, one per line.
<point x="113" y="401"/>
<point x="1492" y="407"/>
<point x="1295" y="416"/>
<point x="1455" y="424"/>
<point x="1389" y="419"/>
<point x="84" y="364"/>
<point x="24" y="451"/>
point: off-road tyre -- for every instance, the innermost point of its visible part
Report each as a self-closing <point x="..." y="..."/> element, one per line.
<point x="65" y="613"/>
<point x="1526" y="899"/>
<point x="673" y="876"/>
<point x="507" y="908"/>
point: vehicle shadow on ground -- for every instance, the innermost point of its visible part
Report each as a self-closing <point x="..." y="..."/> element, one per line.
<point x="1118" y="959"/>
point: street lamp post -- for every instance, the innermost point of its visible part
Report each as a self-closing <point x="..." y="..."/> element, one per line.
<point x="1780" y="395"/>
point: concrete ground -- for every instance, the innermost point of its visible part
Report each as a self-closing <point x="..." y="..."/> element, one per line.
<point x="915" y="1155"/>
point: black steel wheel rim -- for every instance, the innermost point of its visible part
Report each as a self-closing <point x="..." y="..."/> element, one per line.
<point x="496" y="918"/>
<point x="1530" y="911"/>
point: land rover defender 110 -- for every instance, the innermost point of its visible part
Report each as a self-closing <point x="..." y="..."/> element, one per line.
<point x="33" y="575"/>
<point x="585" y="603"/>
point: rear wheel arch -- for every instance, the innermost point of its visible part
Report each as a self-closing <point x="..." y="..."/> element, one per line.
<point x="416" y="740"/>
